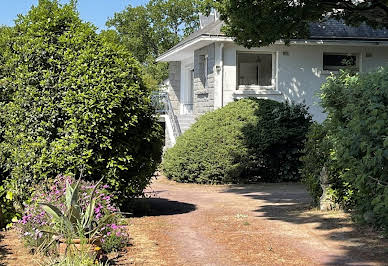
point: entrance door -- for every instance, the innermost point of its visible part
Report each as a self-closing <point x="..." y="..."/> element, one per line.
<point x="188" y="91"/>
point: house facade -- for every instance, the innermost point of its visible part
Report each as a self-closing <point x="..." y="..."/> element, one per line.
<point x="207" y="70"/>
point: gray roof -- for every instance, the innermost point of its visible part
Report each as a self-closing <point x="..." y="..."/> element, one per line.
<point x="332" y="29"/>
<point x="212" y="29"/>
<point x="329" y="29"/>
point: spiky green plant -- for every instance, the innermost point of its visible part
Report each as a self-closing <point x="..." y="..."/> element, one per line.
<point x="74" y="221"/>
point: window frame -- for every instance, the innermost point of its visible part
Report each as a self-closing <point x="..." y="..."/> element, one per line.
<point x="257" y="87"/>
<point x="357" y="66"/>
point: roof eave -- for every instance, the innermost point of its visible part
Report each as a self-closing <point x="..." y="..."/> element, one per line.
<point x="197" y="42"/>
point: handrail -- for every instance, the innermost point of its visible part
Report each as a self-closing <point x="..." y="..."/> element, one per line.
<point x="162" y="104"/>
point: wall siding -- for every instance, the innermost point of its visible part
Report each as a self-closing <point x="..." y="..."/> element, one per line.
<point x="204" y="93"/>
<point x="300" y="73"/>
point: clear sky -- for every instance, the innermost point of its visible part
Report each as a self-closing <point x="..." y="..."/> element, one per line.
<point x="95" y="11"/>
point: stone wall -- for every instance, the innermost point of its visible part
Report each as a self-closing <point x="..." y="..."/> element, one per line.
<point x="204" y="86"/>
<point x="174" y="86"/>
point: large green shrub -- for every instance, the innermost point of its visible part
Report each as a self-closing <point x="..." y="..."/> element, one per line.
<point x="248" y="140"/>
<point x="317" y="154"/>
<point x="71" y="100"/>
<point x="357" y="107"/>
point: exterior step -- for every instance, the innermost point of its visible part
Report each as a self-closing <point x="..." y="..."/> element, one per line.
<point x="185" y="121"/>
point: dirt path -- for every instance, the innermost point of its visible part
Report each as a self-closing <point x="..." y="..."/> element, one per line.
<point x="13" y="252"/>
<point x="268" y="224"/>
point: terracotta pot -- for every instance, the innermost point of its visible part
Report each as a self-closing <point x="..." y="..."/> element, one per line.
<point x="86" y="245"/>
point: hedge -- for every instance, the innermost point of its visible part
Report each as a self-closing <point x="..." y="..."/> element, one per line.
<point x="249" y="140"/>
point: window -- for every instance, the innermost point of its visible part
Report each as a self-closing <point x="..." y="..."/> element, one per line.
<point x="335" y="62"/>
<point x="204" y="69"/>
<point x="255" y="69"/>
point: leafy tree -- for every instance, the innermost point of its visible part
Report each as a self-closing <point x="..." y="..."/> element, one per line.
<point x="262" y="22"/>
<point x="148" y="31"/>
<point x="70" y="100"/>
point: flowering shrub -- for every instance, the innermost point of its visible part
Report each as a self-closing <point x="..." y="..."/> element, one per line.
<point x="36" y="226"/>
<point x="112" y="235"/>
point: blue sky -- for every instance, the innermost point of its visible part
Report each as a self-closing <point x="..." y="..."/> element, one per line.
<point x="95" y="11"/>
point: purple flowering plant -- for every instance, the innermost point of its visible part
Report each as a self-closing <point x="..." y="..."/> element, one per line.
<point x="72" y="209"/>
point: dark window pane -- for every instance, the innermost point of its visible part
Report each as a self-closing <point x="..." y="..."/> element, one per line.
<point x="338" y="61"/>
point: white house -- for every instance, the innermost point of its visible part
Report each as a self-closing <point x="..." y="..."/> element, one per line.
<point x="207" y="70"/>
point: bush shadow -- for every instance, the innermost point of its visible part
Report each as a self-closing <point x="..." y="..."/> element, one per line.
<point x="290" y="202"/>
<point x="4" y="251"/>
<point x="160" y="207"/>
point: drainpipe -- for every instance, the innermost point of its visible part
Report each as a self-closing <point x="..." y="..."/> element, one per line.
<point x="222" y="73"/>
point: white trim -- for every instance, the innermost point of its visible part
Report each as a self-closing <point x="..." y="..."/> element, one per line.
<point x="182" y="87"/>
<point x="198" y="40"/>
<point x="256" y="87"/>
<point x="277" y="71"/>
<point x="358" y="61"/>
<point x="212" y="39"/>
<point x="274" y="64"/>
<point x="206" y="70"/>
<point x="256" y="92"/>
<point x="186" y="68"/>
<point x="273" y="78"/>
<point x="218" y="70"/>
<point x="170" y="131"/>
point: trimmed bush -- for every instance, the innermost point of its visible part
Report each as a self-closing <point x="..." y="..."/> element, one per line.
<point x="71" y="101"/>
<point x="357" y="107"/>
<point x="249" y="140"/>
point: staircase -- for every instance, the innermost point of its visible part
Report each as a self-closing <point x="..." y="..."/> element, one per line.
<point x="185" y="121"/>
<point x="175" y="124"/>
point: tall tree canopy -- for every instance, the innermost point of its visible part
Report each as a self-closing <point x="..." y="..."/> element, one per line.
<point x="149" y="30"/>
<point x="262" y="22"/>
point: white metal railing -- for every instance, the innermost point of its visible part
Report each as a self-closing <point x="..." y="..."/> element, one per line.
<point x="162" y="104"/>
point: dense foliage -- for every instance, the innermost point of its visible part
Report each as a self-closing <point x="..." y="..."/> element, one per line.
<point x="248" y="140"/>
<point x="8" y="213"/>
<point x="71" y="101"/>
<point x="357" y="138"/>
<point x="151" y="29"/>
<point x="263" y="22"/>
<point x="357" y="107"/>
<point x="40" y="224"/>
<point x="318" y="153"/>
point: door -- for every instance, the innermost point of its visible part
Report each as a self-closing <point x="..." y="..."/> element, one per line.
<point x="188" y="91"/>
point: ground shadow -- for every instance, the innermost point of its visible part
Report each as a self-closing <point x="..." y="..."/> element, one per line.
<point x="291" y="203"/>
<point x="159" y="207"/>
<point x="4" y="251"/>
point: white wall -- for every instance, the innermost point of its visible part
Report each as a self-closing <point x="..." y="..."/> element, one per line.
<point x="299" y="71"/>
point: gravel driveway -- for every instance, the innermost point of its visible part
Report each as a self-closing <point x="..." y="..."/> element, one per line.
<point x="266" y="224"/>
